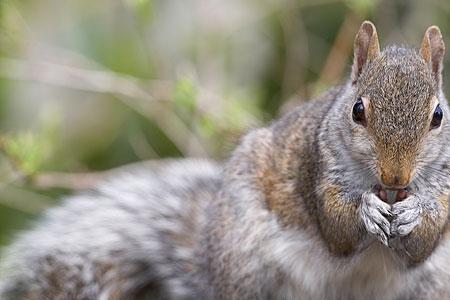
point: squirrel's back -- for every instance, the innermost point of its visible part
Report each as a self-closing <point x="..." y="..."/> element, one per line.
<point x="134" y="236"/>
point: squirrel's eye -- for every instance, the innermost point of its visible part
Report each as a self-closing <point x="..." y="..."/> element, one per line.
<point x="358" y="112"/>
<point x="437" y="117"/>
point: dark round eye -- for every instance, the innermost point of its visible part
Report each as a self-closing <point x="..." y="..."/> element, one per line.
<point x="358" y="112"/>
<point x="437" y="117"/>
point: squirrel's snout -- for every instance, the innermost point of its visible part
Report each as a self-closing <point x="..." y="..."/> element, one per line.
<point x="396" y="180"/>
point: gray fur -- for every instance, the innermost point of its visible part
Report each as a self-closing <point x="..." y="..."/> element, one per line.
<point x="291" y="215"/>
<point x="99" y="244"/>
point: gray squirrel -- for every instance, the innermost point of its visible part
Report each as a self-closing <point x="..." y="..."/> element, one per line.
<point x="345" y="197"/>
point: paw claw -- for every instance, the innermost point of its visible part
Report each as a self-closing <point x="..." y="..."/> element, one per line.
<point x="373" y="212"/>
<point x="407" y="215"/>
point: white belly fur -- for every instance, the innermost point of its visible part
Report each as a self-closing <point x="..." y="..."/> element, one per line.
<point x="373" y="274"/>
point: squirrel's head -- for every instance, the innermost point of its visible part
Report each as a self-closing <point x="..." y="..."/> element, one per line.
<point x="396" y="112"/>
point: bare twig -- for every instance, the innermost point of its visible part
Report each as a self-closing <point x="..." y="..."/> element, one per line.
<point x="17" y="195"/>
<point x="126" y="88"/>
<point x="74" y="78"/>
<point x="141" y="146"/>
<point x="20" y="199"/>
<point x="339" y="53"/>
<point x="71" y="181"/>
<point x="88" y="180"/>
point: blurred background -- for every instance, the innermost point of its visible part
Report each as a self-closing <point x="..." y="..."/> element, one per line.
<point x="88" y="86"/>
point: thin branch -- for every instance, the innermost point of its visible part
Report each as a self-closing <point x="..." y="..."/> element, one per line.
<point x="126" y="88"/>
<point x="24" y="200"/>
<point x="88" y="180"/>
<point x="340" y="51"/>
<point x="78" y="78"/>
<point x="140" y="145"/>
<point x="17" y="192"/>
<point x="70" y="181"/>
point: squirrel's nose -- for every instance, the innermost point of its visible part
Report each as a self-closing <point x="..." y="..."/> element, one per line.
<point x="397" y="180"/>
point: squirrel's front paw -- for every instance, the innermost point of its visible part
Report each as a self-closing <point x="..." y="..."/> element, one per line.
<point x="374" y="213"/>
<point x="407" y="214"/>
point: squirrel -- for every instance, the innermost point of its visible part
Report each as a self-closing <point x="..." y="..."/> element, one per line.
<point x="345" y="197"/>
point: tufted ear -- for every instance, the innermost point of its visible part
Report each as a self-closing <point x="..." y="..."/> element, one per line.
<point x="432" y="50"/>
<point x="366" y="48"/>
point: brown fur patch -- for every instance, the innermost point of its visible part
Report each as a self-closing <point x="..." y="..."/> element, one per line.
<point x="340" y="223"/>
<point x="444" y="201"/>
<point x="282" y="200"/>
<point x="421" y="242"/>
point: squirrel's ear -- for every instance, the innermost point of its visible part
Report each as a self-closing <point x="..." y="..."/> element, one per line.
<point x="366" y="48"/>
<point x="432" y="51"/>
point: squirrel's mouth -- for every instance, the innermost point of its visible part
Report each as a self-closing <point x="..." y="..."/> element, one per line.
<point x="395" y="188"/>
<point x="392" y="194"/>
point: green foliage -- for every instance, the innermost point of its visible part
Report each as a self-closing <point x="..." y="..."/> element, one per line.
<point x="207" y="126"/>
<point x="185" y="98"/>
<point x="27" y="150"/>
<point x="363" y="7"/>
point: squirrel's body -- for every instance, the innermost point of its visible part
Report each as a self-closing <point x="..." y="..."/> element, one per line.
<point x="294" y="214"/>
